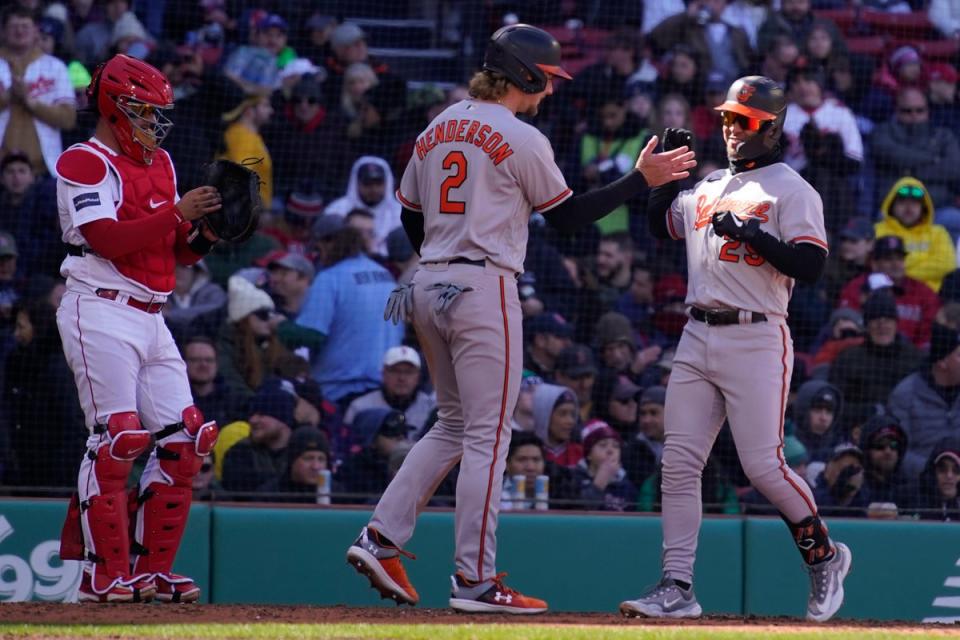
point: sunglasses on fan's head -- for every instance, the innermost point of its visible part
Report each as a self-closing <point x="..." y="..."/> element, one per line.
<point x="908" y="191"/>
<point x="880" y="445"/>
<point x="746" y="123"/>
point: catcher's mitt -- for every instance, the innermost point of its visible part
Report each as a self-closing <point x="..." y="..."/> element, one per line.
<point x="239" y="189"/>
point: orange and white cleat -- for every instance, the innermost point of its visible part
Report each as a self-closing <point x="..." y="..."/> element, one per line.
<point x="491" y="596"/>
<point x="378" y="559"/>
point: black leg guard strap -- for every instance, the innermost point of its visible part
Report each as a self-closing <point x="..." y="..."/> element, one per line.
<point x="812" y="539"/>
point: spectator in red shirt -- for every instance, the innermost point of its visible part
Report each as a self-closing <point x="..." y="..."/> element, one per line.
<point x="917" y="304"/>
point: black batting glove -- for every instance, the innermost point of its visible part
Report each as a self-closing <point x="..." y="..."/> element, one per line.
<point x="726" y="223"/>
<point x="674" y="138"/>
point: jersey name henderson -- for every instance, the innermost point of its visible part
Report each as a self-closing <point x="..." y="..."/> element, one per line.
<point x="476" y="173"/>
<point x="465" y="130"/>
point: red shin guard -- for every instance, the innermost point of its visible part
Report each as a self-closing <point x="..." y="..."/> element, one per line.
<point x="97" y="527"/>
<point x="164" y="509"/>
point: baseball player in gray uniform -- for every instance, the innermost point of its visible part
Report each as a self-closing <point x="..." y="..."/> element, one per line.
<point x="474" y="177"/>
<point x="750" y="231"/>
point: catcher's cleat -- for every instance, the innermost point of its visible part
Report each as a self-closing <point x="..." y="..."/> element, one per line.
<point x="97" y="588"/>
<point x="176" y="588"/>
<point x="378" y="559"/>
<point x="826" y="584"/>
<point x="491" y="596"/>
<point x="666" y="599"/>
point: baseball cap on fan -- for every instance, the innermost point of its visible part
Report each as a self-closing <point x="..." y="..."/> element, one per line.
<point x="550" y="323"/>
<point x="825" y="398"/>
<point x="295" y="262"/>
<point x="576" y="361"/>
<point x="624" y="389"/>
<point x="857" y="228"/>
<point x="345" y="35"/>
<point x="889" y="246"/>
<point x="371" y="172"/>
<point x="942" y="72"/>
<point x="396" y="355"/>
<point x="846" y="448"/>
<point x="272" y="21"/>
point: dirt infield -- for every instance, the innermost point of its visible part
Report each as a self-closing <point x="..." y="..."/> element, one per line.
<point x="155" y="613"/>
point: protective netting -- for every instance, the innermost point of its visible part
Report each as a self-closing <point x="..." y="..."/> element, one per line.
<point x="326" y="100"/>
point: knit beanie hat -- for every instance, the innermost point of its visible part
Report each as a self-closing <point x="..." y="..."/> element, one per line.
<point x="594" y="432"/>
<point x="243" y="298"/>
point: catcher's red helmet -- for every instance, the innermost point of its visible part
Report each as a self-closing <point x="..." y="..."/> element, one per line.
<point x="132" y="96"/>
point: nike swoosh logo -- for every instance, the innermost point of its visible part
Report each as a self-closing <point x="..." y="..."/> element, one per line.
<point x="669" y="603"/>
<point x="154" y="205"/>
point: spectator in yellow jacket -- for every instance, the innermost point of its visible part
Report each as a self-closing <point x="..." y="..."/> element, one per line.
<point x="908" y="213"/>
<point x="243" y="143"/>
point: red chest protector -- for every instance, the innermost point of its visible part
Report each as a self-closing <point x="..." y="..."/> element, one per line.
<point x="145" y="190"/>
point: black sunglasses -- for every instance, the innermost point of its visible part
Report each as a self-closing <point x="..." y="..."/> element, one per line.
<point x="893" y="445"/>
<point x="262" y="314"/>
<point x="307" y="100"/>
<point x="206" y="467"/>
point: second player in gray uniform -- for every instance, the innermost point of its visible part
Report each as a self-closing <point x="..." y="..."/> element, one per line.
<point x="750" y="231"/>
<point x="476" y="174"/>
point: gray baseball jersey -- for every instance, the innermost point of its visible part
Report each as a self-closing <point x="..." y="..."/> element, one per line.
<point x="741" y="371"/>
<point x="476" y="174"/>
<point x="726" y="273"/>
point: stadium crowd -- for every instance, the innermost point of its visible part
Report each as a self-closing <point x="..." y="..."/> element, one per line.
<point x="284" y="338"/>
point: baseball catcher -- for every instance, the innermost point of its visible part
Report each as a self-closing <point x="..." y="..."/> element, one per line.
<point x="125" y="228"/>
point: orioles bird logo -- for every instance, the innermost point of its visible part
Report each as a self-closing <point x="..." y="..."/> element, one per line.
<point x="745" y="92"/>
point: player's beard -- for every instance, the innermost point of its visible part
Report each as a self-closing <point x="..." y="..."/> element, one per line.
<point x="733" y="148"/>
<point x="533" y="109"/>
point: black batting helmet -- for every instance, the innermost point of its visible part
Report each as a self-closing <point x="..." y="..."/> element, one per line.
<point x="761" y="98"/>
<point x="524" y="55"/>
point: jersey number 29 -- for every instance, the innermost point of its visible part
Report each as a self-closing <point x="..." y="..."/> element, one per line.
<point x="751" y="257"/>
<point x="458" y="162"/>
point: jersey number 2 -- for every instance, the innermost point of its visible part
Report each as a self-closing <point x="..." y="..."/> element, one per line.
<point x="458" y="162"/>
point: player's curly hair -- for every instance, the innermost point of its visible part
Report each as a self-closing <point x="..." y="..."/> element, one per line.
<point x="488" y="85"/>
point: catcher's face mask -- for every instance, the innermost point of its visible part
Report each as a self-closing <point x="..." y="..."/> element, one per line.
<point x="149" y="124"/>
